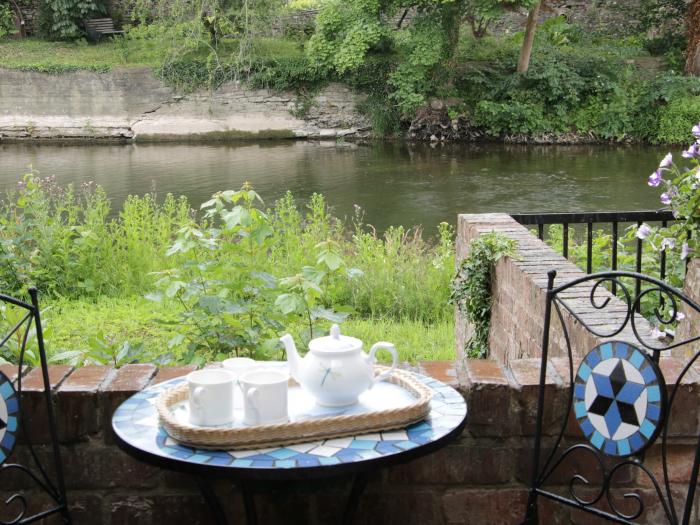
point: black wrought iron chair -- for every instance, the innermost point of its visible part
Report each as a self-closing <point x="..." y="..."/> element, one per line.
<point x="620" y="401"/>
<point x="12" y="421"/>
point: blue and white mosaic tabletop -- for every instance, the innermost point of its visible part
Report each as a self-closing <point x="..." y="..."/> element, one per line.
<point x="9" y="411"/>
<point x="619" y="398"/>
<point x="135" y="423"/>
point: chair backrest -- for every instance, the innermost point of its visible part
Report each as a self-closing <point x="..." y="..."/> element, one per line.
<point x="25" y="330"/>
<point x="620" y="401"/>
<point x="101" y="25"/>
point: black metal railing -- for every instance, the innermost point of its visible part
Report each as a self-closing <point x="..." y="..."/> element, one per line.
<point x="614" y="219"/>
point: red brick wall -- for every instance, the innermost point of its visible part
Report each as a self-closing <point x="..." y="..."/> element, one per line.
<point x="480" y="479"/>
<point x="519" y="289"/>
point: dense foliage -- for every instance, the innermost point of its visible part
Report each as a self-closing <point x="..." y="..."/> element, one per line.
<point x="63" y="19"/>
<point x="226" y="281"/>
<point x="582" y="84"/>
<point x="471" y="288"/>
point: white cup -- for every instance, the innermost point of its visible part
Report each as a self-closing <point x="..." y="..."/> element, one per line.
<point x="264" y="397"/>
<point x="211" y="396"/>
<point x="239" y="366"/>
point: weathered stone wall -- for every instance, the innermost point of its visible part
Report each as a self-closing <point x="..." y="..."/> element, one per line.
<point x="610" y="16"/>
<point x="519" y="289"/>
<point x="480" y="479"/>
<point x="133" y="104"/>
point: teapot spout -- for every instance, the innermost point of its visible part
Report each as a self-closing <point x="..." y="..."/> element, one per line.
<point x="292" y="355"/>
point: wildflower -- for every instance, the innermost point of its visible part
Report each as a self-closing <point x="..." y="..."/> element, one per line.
<point x="665" y="198"/>
<point x="643" y="231"/>
<point x="666" y="162"/>
<point x="685" y="250"/>
<point x="668" y="242"/>
<point x="692" y="152"/>
<point x="655" y="178"/>
<point x="696" y="131"/>
<point x="657" y="334"/>
<point x="679" y="315"/>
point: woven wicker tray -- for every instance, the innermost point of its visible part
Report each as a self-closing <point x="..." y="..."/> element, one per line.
<point x="295" y="431"/>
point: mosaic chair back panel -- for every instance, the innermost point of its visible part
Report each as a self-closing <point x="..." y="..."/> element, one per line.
<point x="618" y="397"/>
<point x="23" y="343"/>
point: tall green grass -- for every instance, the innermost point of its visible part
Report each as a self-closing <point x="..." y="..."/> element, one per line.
<point x="93" y="266"/>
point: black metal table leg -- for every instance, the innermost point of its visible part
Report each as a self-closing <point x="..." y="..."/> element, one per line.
<point x="212" y="500"/>
<point x="359" y="483"/>
<point x="249" y="503"/>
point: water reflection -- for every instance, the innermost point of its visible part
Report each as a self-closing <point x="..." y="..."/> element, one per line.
<point x="395" y="183"/>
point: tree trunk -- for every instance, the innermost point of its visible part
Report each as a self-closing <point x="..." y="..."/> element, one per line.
<point x="692" y="65"/>
<point x="530" y="28"/>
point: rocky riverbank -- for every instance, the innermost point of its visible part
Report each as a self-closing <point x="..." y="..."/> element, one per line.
<point x="131" y="104"/>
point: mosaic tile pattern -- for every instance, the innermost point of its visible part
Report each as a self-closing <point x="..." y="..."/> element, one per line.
<point x="618" y="399"/>
<point x="9" y="413"/>
<point x="136" y="422"/>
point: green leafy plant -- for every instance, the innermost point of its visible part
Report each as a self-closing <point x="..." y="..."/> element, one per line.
<point x="7" y="21"/>
<point x="67" y="243"/>
<point x="471" y="287"/>
<point x="227" y="300"/>
<point x="63" y="19"/>
<point x="680" y="193"/>
<point x="305" y="291"/>
<point x="102" y="350"/>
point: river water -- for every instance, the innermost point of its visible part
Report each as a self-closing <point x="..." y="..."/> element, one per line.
<point x="394" y="183"/>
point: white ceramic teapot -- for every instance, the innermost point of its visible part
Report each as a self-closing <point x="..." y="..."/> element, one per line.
<point x="336" y="370"/>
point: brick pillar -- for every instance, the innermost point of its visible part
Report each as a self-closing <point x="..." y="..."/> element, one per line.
<point x="519" y="290"/>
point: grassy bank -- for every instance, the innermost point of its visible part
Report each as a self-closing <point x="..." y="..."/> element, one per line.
<point x="88" y="326"/>
<point x="61" y="57"/>
<point x="161" y="282"/>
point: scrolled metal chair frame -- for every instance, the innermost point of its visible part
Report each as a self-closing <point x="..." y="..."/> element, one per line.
<point x="669" y="297"/>
<point x="54" y="488"/>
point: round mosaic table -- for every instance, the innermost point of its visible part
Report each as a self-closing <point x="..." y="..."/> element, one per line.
<point x="135" y="425"/>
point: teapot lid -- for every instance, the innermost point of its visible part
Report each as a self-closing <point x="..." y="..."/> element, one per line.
<point x="335" y="343"/>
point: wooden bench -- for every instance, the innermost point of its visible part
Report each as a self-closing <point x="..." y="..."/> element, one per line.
<point x="96" y="28"/>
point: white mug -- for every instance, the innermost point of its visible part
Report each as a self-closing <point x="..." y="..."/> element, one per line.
<point x="211" y="396"/>
<point x="264" y="397"/>
<point x="239" y="366"/>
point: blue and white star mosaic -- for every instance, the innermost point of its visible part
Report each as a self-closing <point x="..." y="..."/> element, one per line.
<point x="619" y="399"/>
<point x="9" y="412"/>
<point x="136" y="423"/>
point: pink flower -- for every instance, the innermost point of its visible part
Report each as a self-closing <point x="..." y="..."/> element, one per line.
<point x="696" y="131"/>
<point x="666" y="162"/>
<point x="643" y="231"/>
<point x="692" y="152"/>
<point x="685" y="250"/>
<point x="668" y="242"/>
<point x="657" y="334"/>
<point x="655" y="179"/>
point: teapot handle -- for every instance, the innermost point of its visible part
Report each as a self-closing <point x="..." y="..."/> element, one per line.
<point x="394" y="361"/>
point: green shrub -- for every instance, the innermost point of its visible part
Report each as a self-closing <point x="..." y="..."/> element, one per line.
<point x="66" y="243"/>
<point x="7" y="22"/>
<point x="63" y="19"/>
<point x="676" y="118"/>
